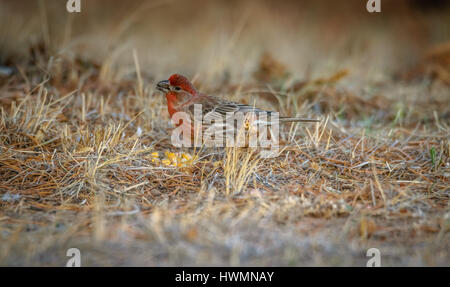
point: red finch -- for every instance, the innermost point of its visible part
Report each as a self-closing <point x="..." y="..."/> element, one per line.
<point x="182" y="97"/>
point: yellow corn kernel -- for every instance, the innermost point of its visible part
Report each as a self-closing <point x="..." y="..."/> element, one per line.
<point x="186" y="156"/>
<point x="155" y="154"/>
<point x="171" y="156"/>
<point x="166" y="161"/>
<point x="246" y="124"/>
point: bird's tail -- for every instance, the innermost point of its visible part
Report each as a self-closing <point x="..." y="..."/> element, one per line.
<point x="304" y="120"/>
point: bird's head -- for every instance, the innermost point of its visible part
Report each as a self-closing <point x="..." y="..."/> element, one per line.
<point x="176" y="84"/>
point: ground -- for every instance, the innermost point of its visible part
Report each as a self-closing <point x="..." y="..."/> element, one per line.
<point x="86" y="159"/>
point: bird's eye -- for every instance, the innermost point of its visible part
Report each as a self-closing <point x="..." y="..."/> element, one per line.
<point x="177" y="88"/>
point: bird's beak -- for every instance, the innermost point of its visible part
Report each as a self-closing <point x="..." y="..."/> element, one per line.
<point x="163" y="86"/>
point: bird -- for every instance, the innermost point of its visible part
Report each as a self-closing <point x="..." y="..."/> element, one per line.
<point x="183" y="97"/>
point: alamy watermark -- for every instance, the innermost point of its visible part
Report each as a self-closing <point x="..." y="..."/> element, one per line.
<point x="232" y="129"/>
<point x="73" y="6"/>
<point x="75" y="257"/>
<point x="375" y="260"/>
<point x="373" y="6"/>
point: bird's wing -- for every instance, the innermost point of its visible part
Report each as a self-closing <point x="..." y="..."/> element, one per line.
<point x="223" y="107"/>
<point x="217" y="109"/>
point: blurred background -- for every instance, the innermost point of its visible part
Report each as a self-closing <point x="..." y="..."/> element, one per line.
<point x="219" y="41"/>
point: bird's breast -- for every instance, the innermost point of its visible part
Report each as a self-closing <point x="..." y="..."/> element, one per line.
<point x="171" y="100"/>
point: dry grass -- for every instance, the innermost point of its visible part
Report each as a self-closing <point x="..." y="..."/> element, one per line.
<point x="86" y="159"/>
